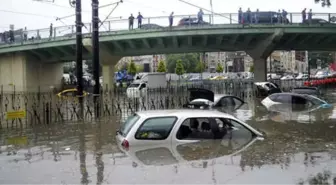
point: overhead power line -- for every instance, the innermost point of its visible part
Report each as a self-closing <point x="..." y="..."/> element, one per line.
<point x="26" y="13"/>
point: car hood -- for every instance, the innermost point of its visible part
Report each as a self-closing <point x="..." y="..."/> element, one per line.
<point x="199" y="93"/>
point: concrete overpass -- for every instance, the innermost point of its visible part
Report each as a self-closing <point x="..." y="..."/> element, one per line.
<point x="41" y="61"/>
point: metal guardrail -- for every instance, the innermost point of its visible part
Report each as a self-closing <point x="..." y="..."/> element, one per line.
<point x="156" y="23"/>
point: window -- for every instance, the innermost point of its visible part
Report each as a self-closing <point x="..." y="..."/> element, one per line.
<point x="133" y="85"/>
<point x="226" y="102"/>
<point x="70" y="93"/>
<point x="128" y="124"/>
<point x="155" y="128"/>
<point x="284" y="98"/>
<point x="237" y="129"/>
<point x="201" y="128"/>
<point x="143" y="86"/>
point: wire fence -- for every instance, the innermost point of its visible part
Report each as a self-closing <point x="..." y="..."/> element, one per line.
<point x="47" y="107"/>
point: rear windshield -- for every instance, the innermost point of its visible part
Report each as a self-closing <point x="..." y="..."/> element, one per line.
<point x="128" y="124"/>
<point x="134" y="85"/>
<point x="305" y="91"/>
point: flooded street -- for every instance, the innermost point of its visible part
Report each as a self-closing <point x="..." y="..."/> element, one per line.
<point x="299" y="148"/>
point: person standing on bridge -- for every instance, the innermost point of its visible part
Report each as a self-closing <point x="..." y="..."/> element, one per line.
<point x="310" y="16"/>
<point x="25" y="33"/>
<point x="140" y="17"/>
<point x="256" y="17"/>
<point x="279" y="16"/>
<point x="304" y="15"/>
<point x="240" y="16"/>
<point x="200" y="16"/>
<point x="248" y="16"/>
<point x="130" y="22"/>
<point x="171" y="18"/>
<point x="50" y="31"/>
<point x="284" y="16"/>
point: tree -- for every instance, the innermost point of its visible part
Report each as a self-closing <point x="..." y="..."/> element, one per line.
<point x="161" y="67"/>
<point x="320" y="59"/>
<point x="189" y="62"/>
<point x="251" y="69"/>
<point x="323" y="2"/>
<point x="219" y="68"/>
<point x="139" y="68"/>
<point x="131" y="68"/>
<point x="200" y="67"/>
<point x="179" y="69"/>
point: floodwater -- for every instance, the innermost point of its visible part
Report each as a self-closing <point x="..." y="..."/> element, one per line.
<point x="300" y="148"/>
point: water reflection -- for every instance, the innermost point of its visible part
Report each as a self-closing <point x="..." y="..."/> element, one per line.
<point x="291" y="153"/>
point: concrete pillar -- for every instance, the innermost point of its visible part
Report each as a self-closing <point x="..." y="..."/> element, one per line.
<point x="260" y="69"/>
<point x="108" y="77"/>
<point x="26" y="74"/>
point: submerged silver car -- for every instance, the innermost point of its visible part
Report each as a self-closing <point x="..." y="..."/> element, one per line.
<point x="180" y="126"/>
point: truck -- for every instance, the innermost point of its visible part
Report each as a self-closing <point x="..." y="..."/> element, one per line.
<point x="144" y="81"/>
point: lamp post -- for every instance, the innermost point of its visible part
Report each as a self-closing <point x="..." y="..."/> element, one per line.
<point x="95" y="53"/>
<point x="212" y="13"/>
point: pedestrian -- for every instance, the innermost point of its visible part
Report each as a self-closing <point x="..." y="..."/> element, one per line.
<point x="140" y="17"/>
<point x="284" y="16"/>
<point x="256" y="16"/>
<point x="248" y="16"/>
<point x="200" y="16"/>
<point x="11" y="36"/>
<point x="130" y="22"/>
<point x="171" y="18"/>
<point x="240" y="16"/>
<point x="304" y="15"/>
<point x="310" y="16"/>
<point x="279" y="16"/>
<point x="25" y="33"/>
<point x="50" y="31"/>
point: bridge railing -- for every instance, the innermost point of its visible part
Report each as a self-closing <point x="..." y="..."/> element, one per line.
<point x="162" y="23"/>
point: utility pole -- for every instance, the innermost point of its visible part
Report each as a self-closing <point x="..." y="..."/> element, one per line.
<point x="79" y="53"/>
<point x="212" y="13"/>
<point x="95" y="53"/>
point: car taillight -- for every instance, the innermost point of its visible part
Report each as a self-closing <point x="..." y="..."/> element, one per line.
<point x="125" y="144"/>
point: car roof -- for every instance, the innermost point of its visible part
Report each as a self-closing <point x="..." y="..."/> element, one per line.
<point x="183" y="112"/>
<point x="289" y="93"/>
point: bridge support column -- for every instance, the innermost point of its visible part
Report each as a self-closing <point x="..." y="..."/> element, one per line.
<point x="262" y="52"/>
<point x="260" y="69"/>
<point x="22" y="73"/>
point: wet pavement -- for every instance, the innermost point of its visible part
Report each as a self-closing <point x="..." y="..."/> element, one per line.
<point x="299" y="148"/>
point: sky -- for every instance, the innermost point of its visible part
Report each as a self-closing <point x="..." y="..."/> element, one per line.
<point x="36" y="15"/>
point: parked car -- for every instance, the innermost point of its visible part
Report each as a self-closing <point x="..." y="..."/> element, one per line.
<point x="267" y="88"/>
<point x="317" y="21"/>
<point x="203" y="98"/>
<point x="191" y="21"/>
<point x="307" y="90"/>
<point x="150" y="26"/>
<point x="157" y="127"/>
<point x="70" y="93"/>
<point x="287" y="77"/>
<point x="298" y="102"/>
<point x="265" y="17"/>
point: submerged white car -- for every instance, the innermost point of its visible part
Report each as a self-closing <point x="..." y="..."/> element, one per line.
<point x="180" y="126"/>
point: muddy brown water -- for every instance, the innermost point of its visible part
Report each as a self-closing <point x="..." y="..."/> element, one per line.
<point x="298" y="149"/>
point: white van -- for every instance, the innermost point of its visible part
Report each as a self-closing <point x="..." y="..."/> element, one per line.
<point x="136" y="90"/>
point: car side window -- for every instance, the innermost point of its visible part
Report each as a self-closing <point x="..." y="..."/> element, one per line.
<point x="201" y="128"/>
<point x="227" y="102"/>
<point x="238" y="130"/>
<point x="273" y="97"/>
<point x="155" y="128"/>
<point x="69" y="93"/>
<point x="284" y="98"/>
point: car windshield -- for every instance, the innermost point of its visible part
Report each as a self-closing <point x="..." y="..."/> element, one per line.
<point x="134" y="85"/>
<point x="128" y="124"/>
<point x="315" y="100"/>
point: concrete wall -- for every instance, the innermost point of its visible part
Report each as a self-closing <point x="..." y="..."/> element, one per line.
<point x="25" y="73"/>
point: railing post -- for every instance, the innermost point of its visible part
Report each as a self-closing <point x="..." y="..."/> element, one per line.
<point x="329" y="18"/>
<point x="38" y="35"/>
<point x="231" y="18"/>
<point x="54" y="33"/>
<point x="210" y="20"/>
<point x="72" y="29"/>
<point x="148" y="20"/>
<point x="291" y="18"/>
<point x="21" y="35"/>
<point x="109" y="25"/>
<point x="189" y="21"/>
